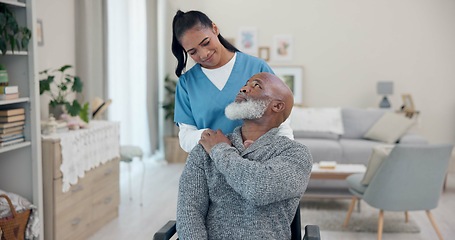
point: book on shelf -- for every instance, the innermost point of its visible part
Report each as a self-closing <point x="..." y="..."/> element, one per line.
<point x="4" y="136"/>
<point x="14" y="118"/>
<point x="7" y="143"/>
<point x="9" y="89"/>
<point x="11" y="124"/>
<point x="11" y="129"/>
<point x="11" y="137"/>
<point x="9" y="96"/>
<point x="11" y="112"/>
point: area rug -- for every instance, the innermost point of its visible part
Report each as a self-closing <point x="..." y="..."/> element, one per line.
<point x="329" y="215"/>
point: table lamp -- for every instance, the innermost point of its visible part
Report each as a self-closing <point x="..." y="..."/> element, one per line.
<point x="385" y="88"/>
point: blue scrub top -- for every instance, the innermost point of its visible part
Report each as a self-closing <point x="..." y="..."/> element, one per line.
<point x="200" y="103"/>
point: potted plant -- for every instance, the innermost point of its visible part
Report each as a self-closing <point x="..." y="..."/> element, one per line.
<point x="59" y="84"/>
<point x="169" y="105"/>
<point x="173" y="151"/>
<point x="12" y="36"/>
<point x="3" y="76"/>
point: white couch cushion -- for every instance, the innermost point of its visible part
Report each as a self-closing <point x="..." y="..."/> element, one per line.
<point x="357" y="121"/>
<point x="379" y="153"/>
<point x="317" y="120"/>
<point x="389" y="128"/>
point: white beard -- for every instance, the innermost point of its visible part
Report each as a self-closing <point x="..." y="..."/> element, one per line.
<point x="250" y="109"/>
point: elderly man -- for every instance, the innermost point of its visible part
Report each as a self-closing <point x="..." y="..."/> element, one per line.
<point x="246" y="185"/>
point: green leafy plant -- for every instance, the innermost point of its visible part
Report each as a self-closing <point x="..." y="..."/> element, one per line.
<point x="64" y="84"/>
<point x="12" y="35"/>
<point x="169" y="105"/>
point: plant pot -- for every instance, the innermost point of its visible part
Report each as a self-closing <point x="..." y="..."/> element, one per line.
<point x="56" y="111"/>
<point x="3" y="78"/>
<point x="173" y="153"/>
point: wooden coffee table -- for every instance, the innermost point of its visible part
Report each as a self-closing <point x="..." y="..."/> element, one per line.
<point x="339" y="173"/>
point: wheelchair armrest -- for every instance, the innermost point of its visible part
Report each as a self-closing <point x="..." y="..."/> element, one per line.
<point x="169" y="229"/>
<point x="166" y="232"/>
<point x="312" y="232"/>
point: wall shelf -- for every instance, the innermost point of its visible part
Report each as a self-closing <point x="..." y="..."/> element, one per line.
<point x="13" y="101"/>
<point x="15" y="146"/>
<point x="16" y="53"/>
<point x="13" y="3"/>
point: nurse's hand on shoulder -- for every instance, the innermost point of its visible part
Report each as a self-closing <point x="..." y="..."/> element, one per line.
<point x="210" y="138"/>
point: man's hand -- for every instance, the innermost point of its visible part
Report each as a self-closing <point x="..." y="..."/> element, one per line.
<point x="210" y="138"/>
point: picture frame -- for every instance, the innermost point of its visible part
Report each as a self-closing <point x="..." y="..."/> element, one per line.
<point x="408" y="103"/>
<point x="282" y="48"/>
<point x="264" y="53"/>
<point x="39" y="32"/>
<point x="247" y="40"/>
<point x="293" y="77"/>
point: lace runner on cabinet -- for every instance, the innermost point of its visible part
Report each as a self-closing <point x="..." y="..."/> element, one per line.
<point x="85" y="149"/>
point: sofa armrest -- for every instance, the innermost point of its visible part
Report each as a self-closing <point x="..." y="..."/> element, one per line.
<point x="412" y="138"/>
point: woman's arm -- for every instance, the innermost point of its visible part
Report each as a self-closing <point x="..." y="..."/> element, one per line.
<point x="285" y="129"/>
<point x="189" y="136"/>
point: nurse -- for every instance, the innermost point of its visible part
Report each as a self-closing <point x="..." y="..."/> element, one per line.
<point x="204" y="91"/>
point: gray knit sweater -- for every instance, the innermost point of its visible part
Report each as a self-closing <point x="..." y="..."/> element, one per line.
<point x="238" y="193"/>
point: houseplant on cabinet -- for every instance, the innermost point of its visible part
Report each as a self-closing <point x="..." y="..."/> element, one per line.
<point x="59" y="84"/>
<point x="3" y="75"/>
<point x="173" y="152"/>
<point x="12" y="36"/>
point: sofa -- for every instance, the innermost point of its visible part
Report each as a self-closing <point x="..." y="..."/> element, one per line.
<point x="349" y="135"/>
<point x="354" y="143"/>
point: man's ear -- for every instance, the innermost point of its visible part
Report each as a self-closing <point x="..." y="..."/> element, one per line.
<point x="278" y="106"/>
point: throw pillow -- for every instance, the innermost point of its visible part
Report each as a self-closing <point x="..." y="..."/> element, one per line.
<point x="317" y="120"/>
<point x="389" y="128"/>
<point x="378" y="154"/>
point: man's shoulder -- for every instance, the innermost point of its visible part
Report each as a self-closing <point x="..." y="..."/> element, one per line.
<point x="291" y="143"/>
<point x="197" y="155"/>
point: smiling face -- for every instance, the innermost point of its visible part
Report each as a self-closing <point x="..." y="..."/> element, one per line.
<point x="203" y="46"/>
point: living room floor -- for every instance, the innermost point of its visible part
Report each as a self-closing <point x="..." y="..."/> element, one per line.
<point x="160" y="197"/>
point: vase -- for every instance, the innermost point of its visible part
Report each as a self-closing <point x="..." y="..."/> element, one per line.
<point x="56" y="111"/>
<point x="3" y="78"/>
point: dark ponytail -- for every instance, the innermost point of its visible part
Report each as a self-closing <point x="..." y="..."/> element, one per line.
<point x="180" y="24"/>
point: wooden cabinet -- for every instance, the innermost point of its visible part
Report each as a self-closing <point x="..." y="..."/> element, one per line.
<point x="20" y="163"/>
<point x="87" y="206"/>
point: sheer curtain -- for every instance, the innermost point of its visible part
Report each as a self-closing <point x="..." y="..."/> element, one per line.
<point x="128" y="84"/>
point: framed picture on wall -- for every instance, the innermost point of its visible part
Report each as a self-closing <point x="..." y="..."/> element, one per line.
<point x="264" y="53"/>
<point x="247" y="40"/>
<point x="293" y="77"/>
<point x="282" y="48"/>
<point x="39" y="32"/>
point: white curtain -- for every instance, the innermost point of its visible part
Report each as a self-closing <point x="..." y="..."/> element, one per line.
<point x="127" y="79"/>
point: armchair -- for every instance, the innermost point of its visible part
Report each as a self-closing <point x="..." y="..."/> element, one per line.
<point x="311" y="231"/>
<point x="409" y="179"/>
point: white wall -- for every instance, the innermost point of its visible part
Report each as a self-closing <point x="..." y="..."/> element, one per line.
<point x="347" y="46"/>
<point x="59" y="38"/>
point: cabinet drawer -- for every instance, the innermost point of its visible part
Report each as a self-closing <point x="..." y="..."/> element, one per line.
<point x="105" y="175"/>
<point x="105" y="201"/>
<point x="77" y="193"/>
<point x="73" y="223"/>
